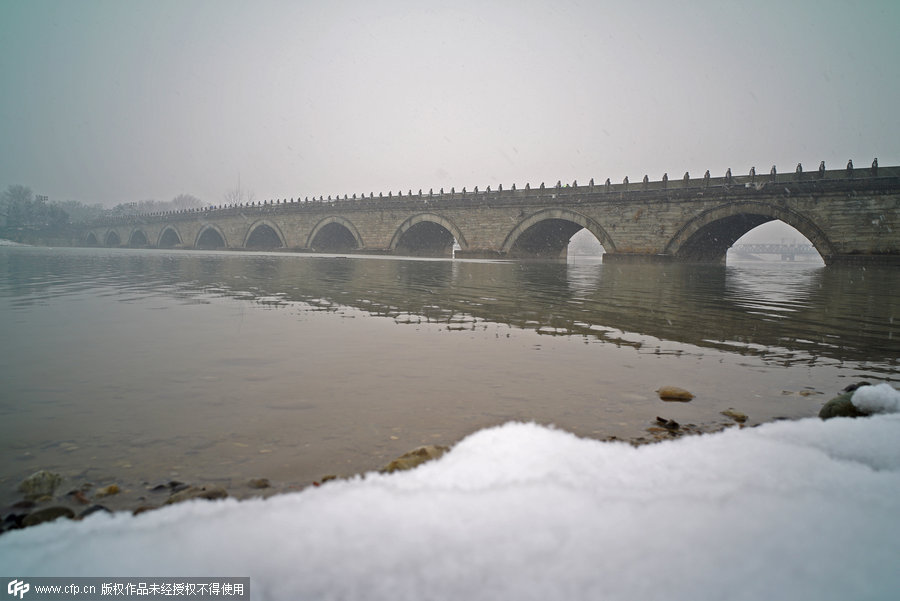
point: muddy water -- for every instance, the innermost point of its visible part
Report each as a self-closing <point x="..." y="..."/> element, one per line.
<point x="138" y="367"/>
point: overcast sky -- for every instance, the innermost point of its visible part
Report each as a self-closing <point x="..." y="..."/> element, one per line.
<point x="131" y="100"/>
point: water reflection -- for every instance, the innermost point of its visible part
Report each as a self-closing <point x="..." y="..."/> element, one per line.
<point x="146" y="364"/>
<point x="773" y="311"/>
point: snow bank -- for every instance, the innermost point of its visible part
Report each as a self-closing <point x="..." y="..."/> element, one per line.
<point x="881" y="398"/>
<point x="790" y="510"/>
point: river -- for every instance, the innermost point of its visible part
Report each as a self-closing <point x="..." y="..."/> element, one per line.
<point x="137" y="367"/>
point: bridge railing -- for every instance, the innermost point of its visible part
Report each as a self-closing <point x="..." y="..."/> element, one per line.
<point x="867" y="176"/>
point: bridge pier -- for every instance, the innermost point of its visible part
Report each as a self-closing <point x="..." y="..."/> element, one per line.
<point x="862" y="260"/>
<point x="479" y="253"/>
<point x="616" y="257"/>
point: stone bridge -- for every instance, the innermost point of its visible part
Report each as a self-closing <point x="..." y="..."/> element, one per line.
<point x="849" y="215"/>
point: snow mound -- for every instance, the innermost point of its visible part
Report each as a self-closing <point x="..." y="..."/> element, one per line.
<point x="790" y="510"/>
<point x="881" y="398"/>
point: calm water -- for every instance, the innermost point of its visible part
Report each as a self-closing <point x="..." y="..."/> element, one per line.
<point x="136" y="367"/>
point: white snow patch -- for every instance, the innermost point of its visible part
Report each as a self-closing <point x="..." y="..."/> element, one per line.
<point x="881" y="398"/>
<point x="790" y="510"/>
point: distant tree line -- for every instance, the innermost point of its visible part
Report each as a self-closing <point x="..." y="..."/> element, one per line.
<point x="20" y="208"/>
<point x="25" y="217"/>
<point x="180" y="202"/>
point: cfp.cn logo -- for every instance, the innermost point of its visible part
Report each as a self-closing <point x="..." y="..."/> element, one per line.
<point x="18" y="588"/>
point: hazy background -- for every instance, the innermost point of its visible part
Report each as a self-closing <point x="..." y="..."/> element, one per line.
<point x="124" y="101"/>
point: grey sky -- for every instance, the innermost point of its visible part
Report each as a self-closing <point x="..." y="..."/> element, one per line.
<point x="120" y="101"/>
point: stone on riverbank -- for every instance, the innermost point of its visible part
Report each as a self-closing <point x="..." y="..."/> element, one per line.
<point x="48" y="514"/>
<point x="78" y="496"/>
<point x="112" y="489"/>
<point x="861" y="400"/>
<point x="674" y="393"/>
<point x="841" y="406"/>
<point x="414" y="458"/>
<point x="198" y="492"/>
<point x="40" y="484"/>
<point x="93" y="509"/>
<point x="735" y="415"/>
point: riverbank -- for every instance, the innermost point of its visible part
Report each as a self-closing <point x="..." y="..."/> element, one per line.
<point x="523" y="511"/>
<point x="74" y="497"/>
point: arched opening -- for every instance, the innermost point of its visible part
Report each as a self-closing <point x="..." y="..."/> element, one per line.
<point x="263" y="237"/>
<point x="710" y="243"/>
<point x="112" y="239"/>
<point x="210" y="238"/>
<point x="428" y="235"/>
<point x="584" y="245"/>
<point x="91" y="240"/>
<point x="426" y="239"/>
<point x="774" y="241"/>
<point x="334" y="237"/>
<point x="138" y="239"/>
<point x="547" y="239"/>
<point x="707" y="237"/>
<point x="547" y="235"/>
<point x="169" y="238"/>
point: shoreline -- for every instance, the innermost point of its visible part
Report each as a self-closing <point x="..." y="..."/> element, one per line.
<point x="74" y="499"/>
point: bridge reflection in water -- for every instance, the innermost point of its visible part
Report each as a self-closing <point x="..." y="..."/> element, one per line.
<point x="787" y="252"/>
<point x="781" y="312"/>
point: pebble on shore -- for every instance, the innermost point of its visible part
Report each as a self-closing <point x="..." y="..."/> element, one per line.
<point x="674" y="393"/>
<point x="414" y="458"/>
<point x="40" y="484"/>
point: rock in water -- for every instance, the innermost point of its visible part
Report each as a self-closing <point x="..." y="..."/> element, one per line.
<point x="735" y="415"/>
<point x="198" y="492"/>
<point x="48" y="514"/>
<point x="861" y="400"/>
<point x="93" y="509"/>
<point x="417" y="456"/>
<point x="39" y="484"/>
<point x="669" y="424"/>
<point x="106" y="491"/>
<point x="673" y="393"/>
<point x="842" y="405"/>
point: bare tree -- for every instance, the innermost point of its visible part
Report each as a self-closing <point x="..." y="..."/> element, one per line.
<point x="238" y="195"/>
<point x="185" y="201"/>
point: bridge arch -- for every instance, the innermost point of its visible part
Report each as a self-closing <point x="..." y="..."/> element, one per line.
<point x="112" y="238"/>
<point x="169" y="237"/>
<point x="91" y="239"/>
<point x="428" y="233"/>
<point x="210" y="237"/>
<point x="334" y="233"/>
<point x="264" y="234"/>
<point x="547" y="233"/>
<point x="138" y="238"/>
<point x="709" y="235"/>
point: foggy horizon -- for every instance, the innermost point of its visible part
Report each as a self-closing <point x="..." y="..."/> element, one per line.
<point x="113" y="103"/>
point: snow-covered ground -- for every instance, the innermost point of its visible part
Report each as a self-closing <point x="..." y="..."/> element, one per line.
<point x="789" y="510"/>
